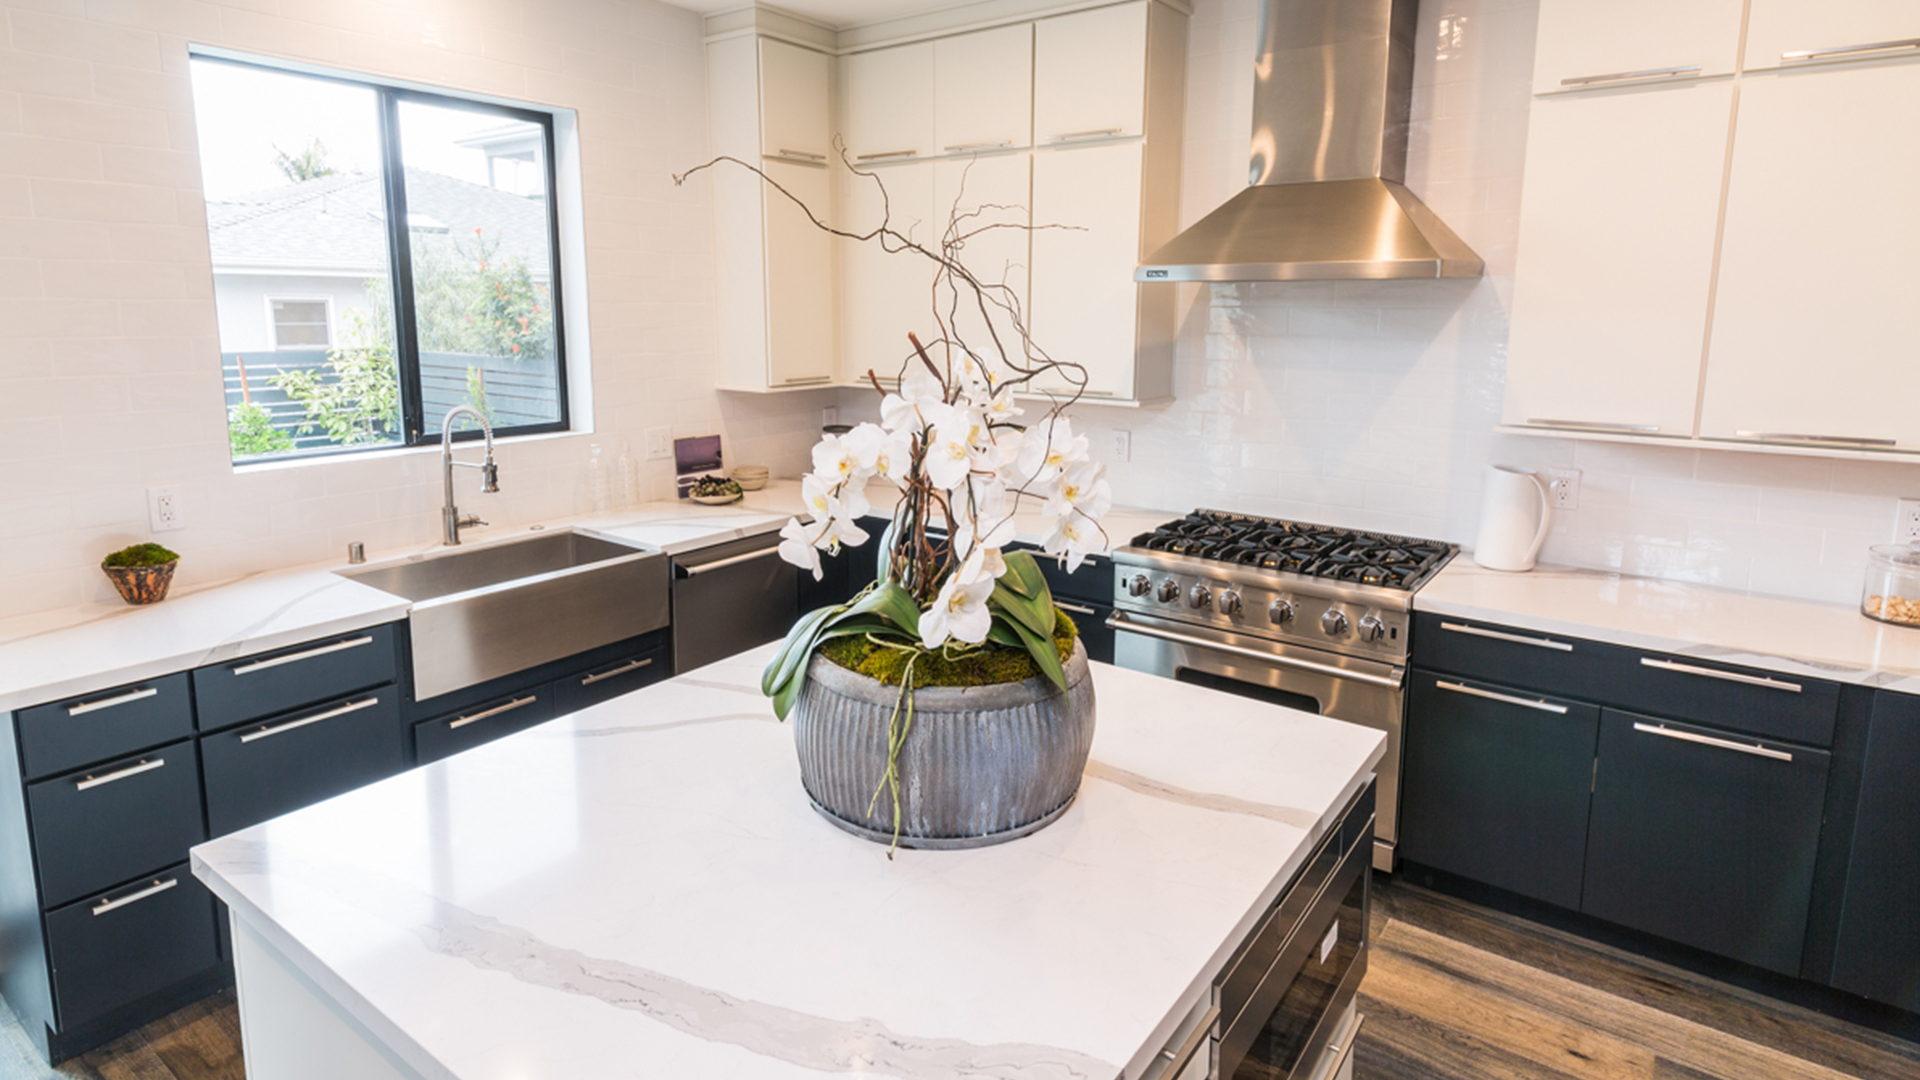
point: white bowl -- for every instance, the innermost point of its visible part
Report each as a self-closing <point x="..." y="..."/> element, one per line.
<point x="750" y="478"/>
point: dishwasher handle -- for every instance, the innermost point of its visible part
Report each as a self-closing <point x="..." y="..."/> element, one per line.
<point x="721" y="564"/>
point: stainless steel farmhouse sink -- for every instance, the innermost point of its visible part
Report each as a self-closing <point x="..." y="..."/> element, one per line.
<point x="483" y="612"/>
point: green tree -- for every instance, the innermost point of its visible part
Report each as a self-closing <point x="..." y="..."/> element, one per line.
<point x="468" y="299"/>
<point x="308" y="164"/>
<point x="251" y="432"/>
<point x="361" y="403"/>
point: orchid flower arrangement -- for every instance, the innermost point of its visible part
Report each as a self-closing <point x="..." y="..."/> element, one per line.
<point x="951" y="441"/>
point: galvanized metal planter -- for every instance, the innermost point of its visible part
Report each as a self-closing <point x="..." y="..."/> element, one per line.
<point x="981" y="765"/>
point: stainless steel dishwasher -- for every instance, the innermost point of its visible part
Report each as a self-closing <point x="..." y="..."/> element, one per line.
<point x="729" y="598"/>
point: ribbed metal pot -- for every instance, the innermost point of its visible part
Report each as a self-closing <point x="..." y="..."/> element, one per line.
<point x="981" y="764"/>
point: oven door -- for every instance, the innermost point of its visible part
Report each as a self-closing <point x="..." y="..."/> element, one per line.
<point x="1359" y="691"/>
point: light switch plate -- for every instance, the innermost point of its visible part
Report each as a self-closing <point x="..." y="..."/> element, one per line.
<point x="1122" y="446"/>
<point x="164" y="510"/>
<point x="1563" y="488"/>
<point x="659" y="443"/>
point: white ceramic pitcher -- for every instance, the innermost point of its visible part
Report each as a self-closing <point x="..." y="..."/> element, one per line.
<point x="1514" y="519"/>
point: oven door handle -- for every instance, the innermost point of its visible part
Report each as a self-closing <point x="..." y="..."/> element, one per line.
<point x="1118" y="621"/>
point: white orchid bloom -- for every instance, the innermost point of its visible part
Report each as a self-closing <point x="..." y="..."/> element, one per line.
<point x="982" y="563"/>
<point x="1049" y="448"/>
<point x="796" y="544"/>
<point x="819" y="497"/>
<point x="895" y="457"/>
<point x="853" y="499"/>
<point x="949" y="458"/>
<point x="863" y="444"/>
<point x="904" y="411"/>
<point x="1002" y="409"/>
<point x="1075" y="537"/>
<point x="959" y="612"/>
<point x="840" y="532"/>
<point x="1083" y="488"/>
<point x="831" y="461"/>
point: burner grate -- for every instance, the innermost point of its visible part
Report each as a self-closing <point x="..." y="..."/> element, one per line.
<point x="1345" y="555"/>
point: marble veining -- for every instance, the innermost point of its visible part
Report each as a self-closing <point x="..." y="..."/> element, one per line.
<point x="1792" y="637"/>
<point x="567" y="902"/>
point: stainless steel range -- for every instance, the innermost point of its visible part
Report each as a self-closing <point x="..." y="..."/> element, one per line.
<point x="1306" y="616"/>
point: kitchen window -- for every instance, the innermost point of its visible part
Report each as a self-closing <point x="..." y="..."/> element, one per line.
<point x="381" y="254"/>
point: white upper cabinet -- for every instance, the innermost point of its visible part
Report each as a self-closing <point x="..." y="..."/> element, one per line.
<point x="799" y="295"/>
<point x="1615" y="258"/>
<point x="794" y="121"/>
<point x="1592" y="43"/>
<point x="888" y="95"/>
<point x="1782" y="32"/>
<point x="884" y="294"/>
<point x="1085" y="303"/>
<point x="983" y="90"/>
<point x="1816" y="323"/>
<point x="1090" y="74"/>
<point x="989" y="196"/>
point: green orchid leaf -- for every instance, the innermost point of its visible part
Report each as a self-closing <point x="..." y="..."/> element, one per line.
<point x="794" y="648"/>
<point x="1001" y="632"/>
<point x="1045" y="656"/>
<point x="896" y="605"/>
<point x="1023" y="575"/>
<point x="1035" y="615"/>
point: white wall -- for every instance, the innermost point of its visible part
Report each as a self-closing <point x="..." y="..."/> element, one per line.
<point x="109" y="350"/>
<point x="1371" y="404"/>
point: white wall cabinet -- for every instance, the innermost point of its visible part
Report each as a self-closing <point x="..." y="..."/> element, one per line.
<point x="1816" y="328"/>
<point x="888" y="104"/>
<point x="1834" y="31"/>
<point x="1616" y="258"/>
<point x="1582" y="40"/>
<point x="1090" y="74"/>
<point x="1090" y="319"/>
<point x="768" y="103"/>
<point x="883" y="295"/>
<point x="983" y="90"/>
<point x="992" y="194"/>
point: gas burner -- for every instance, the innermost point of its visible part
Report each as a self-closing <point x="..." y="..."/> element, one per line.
<point x="1343" y="555"/>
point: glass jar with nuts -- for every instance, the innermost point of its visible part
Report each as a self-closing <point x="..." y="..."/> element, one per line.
<point x="1892" y="592"/>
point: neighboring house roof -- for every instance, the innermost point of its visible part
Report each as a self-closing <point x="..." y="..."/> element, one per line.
<point x="337" y="224"/>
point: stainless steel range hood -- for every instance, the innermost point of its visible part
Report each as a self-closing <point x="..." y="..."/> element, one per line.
<point x="1332" y="89"/>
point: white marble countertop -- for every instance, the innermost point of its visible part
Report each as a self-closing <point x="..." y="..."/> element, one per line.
<point x="56" y="654"/>
<point x="642" y="889"/>
<point x="1795" y="637"/>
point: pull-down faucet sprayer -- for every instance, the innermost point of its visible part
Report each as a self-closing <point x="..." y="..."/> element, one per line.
<point x="489" y="472"/>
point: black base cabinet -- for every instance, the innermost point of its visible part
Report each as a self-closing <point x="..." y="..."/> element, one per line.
<point x="270" y="767"/>
<point x="1705" y="839"/>
<point x="111" y="950"/>
<point x="1878" y="953"/>
<point x="1497" y="785"/>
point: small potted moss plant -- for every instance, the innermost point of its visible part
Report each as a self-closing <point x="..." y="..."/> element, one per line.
<point x="142" y="572"/>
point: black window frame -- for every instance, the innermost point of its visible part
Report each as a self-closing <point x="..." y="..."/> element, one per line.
<point x="417" y="429"/>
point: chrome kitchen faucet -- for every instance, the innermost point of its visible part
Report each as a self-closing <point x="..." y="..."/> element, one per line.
<point x="489" y="472"/>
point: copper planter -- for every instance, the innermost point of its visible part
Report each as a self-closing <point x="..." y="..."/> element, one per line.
<point x="142" y="584"/>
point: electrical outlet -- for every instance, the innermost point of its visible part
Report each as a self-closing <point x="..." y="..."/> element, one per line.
<point x="1906" y="527"/>
<point x="659" y="443"/>
<point x="164" y="512"/>
<point x="1123" y="446"/>
<point x="829" y="416"/>
<point x="1563" y="488"/>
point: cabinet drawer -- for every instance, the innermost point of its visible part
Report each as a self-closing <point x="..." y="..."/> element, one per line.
<point x="1093" y="581"/>
<point x="1705" y="837"/>
<point x="1764" y="703"/>
<point x="1564" y="666"/>
<point x="263" y="770"/>
<point x="105" y="723"/>
<point x="1496" y="785"/>
<point x="97" y="828"/>
<point x="446" y="736"/>
<point x="1095" y="634"/>
<point x="611" y="679"/>
<point x="269" y="683"/>
<point x="115" y="948"/>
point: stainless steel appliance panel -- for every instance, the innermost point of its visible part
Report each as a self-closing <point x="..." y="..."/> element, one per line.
<point x="729" y="598"/>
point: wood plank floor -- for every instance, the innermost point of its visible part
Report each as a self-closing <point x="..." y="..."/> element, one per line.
<point x="1454" y="991"/>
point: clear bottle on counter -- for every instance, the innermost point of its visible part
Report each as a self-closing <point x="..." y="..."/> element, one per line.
<point x="1892" y="592"/>
<point x="626" y="477"/>
<point x="599" y="487"/>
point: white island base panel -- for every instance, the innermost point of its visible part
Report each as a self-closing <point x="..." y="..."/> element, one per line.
<point x="642" y="890"/>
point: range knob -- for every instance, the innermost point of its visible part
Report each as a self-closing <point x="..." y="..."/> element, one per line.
<point x="1200" y="596"/>
<point x="1333" y="623"/>
<point x="1371" y="628"/>
<point x="1169" y="591"/>
<point x="1229" y="602"/>
<point x="1280" y="612"/>
<point x="1138" y="585"/>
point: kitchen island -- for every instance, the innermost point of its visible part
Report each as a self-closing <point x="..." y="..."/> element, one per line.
<point x="641" y="889"/>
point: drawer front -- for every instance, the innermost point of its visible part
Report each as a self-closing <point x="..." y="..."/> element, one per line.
<point x="269" y="683"/>
<point x="102" y="826"/>
<point x="611" y="679"/>
<point x="1553" y="663"/>
<point x="266" y="769"/>
<point x="1750" y="700"/>
<point x="446" y="736"/>
<point x="105" y="723"/>
<point x="115" y="948"/>
<point x="1093" y="581"/>
<point x="1092" y="621"/>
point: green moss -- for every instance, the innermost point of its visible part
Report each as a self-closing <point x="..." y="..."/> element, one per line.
<point x="988" y="665"/>
<point x="139" y="555"/>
